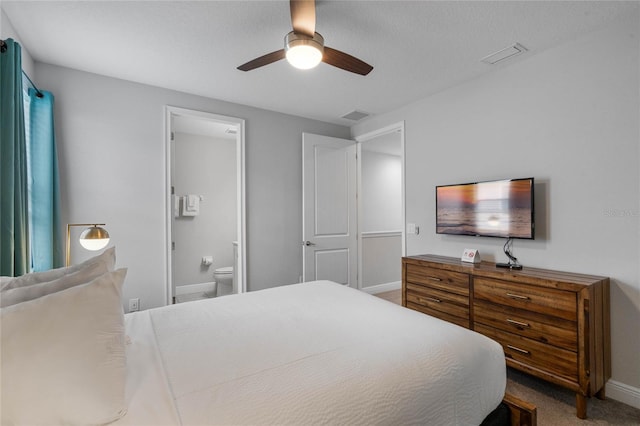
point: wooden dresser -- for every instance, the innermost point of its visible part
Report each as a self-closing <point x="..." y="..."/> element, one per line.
<point x="553" y="325"/>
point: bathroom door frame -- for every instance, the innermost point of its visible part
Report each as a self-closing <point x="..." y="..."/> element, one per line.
<point x="239" y="123"/>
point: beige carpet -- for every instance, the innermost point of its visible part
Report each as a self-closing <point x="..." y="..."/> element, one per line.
<point x="556" y="405"/>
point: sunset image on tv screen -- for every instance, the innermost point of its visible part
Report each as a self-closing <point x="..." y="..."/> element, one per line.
<point x="496" y="209"/>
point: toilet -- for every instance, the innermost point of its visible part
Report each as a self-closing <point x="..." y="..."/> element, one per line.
<point x="224" y="279"/>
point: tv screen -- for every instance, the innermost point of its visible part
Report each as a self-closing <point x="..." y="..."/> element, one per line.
<point x="501" y="208"/>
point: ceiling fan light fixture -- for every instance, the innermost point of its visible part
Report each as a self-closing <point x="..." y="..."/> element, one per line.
<point x="304" y="48"/>
<point x="302" y="51"/>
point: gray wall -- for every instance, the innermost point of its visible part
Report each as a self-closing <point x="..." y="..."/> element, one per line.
<point x="112" y="164"/>
<point x="381" y="254"/>
<point x="204" y="166"/>
<point x="569" y="117"/>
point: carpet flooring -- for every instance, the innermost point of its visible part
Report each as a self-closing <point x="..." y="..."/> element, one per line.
<point x="556" y="405"/>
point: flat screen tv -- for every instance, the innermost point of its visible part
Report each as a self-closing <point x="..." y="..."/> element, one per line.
<point x="500" y="208"/>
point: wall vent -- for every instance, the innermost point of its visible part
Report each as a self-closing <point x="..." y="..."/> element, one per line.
<point x="506" y="53"/>
<point x="355" y="115"/>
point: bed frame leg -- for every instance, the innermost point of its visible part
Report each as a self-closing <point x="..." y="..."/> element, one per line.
<point x="523" y="413"/>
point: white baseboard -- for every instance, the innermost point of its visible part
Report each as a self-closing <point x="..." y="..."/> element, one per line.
<point x="182" y="290"/>
<point x="623" y="393"/>
<point x="381" y="288"/>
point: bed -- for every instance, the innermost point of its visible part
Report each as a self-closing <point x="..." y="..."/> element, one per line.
<point x="306" y="354"/>
<point x="310" y="353"/>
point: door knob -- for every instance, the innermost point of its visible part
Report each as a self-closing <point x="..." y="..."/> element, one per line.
<point x="308" y="243"/>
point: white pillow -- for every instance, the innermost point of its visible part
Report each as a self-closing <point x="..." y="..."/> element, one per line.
<point x="108" y="257"/>
<point x="22" y="294"/>
<point x="63" y="356"/>
<point x="5" y="281"/>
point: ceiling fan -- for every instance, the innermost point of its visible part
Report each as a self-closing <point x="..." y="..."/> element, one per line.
<point x="304" y="48"/>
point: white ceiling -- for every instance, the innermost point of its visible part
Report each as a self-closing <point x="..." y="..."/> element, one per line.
<point x="417" y="48"/>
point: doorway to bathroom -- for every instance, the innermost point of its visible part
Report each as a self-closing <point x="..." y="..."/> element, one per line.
<point x="205" y="205"/>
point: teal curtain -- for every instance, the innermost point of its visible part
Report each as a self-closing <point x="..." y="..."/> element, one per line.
<point x="44" y="190"/>
<point x="14" y="231"/>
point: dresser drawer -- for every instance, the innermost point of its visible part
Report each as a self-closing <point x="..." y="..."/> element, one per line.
<point x="435" y="295"/>
<point x="542" y="328"/>
<point x="438" y="303"/>
<point x="545" y="357"/>
<point x="547" y="301"/>
<point x="452" y="282"/>
<point x="462" y="322"/>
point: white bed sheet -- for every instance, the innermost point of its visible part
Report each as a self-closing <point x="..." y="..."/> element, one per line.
<point x="311" y="353"/>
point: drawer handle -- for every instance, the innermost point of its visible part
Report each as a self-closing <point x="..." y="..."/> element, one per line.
<point x="430" y="299"/>
<point x="517" y="323"/>
<point x="434" y="278"/>
<point x="522" y="351"/>
<point x="517" y="296"/>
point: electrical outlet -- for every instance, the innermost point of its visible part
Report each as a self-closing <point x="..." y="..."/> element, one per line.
<point x="134" y="305"/>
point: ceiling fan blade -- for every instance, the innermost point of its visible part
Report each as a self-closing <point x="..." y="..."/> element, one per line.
<point x="303" y="16"/>
<point x="346" y="62"/>
<point x="263" y="60"/>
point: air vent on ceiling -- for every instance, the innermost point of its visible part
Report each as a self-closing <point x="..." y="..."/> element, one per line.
<point x="355" y="115"/>
<point x="506" y="53"/>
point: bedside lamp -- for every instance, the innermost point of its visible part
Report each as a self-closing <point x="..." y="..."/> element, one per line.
<point x="93" y="238"/>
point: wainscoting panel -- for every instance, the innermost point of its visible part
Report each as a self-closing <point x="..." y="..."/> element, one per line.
<point x="381" y="259"/>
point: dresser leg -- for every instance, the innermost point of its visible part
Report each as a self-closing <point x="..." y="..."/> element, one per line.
<point x="581" y="406"/>
<point x="601" y="394"/>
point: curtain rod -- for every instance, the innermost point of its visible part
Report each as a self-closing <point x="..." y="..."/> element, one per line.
<point x="3" y="48"/>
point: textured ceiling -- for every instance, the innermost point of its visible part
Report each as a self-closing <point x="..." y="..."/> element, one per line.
<point x="417" y="48"/>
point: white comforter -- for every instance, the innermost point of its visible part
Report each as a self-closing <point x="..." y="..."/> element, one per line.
<point x="312" y="353"/>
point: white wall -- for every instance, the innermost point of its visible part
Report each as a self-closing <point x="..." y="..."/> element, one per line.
<point x="569" y="117"/>
<point x="7" y="31"/>
<point x="110" y="136"/>
<point x="204" y="166"/>
<point x="381" y="192"/>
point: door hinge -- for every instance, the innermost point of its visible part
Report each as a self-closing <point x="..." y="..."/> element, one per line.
<point x="173" y="136"/>
<point x="173" y="245"/>
<point x="173" y="190"/>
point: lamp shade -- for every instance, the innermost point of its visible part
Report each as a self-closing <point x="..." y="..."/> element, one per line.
<point x="304" y="57"/>
<point x="302" y="51"/>
<point x="94" y="238"/>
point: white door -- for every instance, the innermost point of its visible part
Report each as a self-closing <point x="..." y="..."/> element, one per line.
<point x="329" y="218"/>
